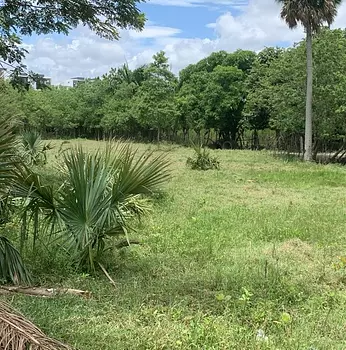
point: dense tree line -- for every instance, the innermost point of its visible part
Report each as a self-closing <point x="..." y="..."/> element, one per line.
<point x="223" y="97"/>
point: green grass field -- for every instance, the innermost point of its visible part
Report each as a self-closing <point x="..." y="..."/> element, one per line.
<point x="257" y="245"/>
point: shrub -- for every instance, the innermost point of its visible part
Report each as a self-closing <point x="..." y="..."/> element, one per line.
<point x="33" y="149"/>
<point x="202" y="160"/>
<point x="100" y="195"/>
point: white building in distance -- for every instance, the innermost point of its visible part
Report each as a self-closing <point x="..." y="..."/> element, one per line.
<point x="73" y="82"/>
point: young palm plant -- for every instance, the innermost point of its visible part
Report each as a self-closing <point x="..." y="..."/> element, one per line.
<point x="311" y="14"/>
<point x="101" y="193"/>
<point x="11" y="265"/>
<point x="32" y="148"/>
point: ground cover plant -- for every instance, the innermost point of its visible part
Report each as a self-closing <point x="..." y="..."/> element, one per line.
<point x="248" y="257"/>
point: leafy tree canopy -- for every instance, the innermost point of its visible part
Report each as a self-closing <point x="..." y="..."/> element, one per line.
<point x="25" y="17"/>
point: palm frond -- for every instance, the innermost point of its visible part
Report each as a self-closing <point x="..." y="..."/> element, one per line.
<point x="102" y="192"/>
<point x="32" y="148"/>
<point x="138" y="174"/>
<point x="310" y="13"/>
<point x="18" y="333"/>
<point x="7" y="156"/>
<point x="85" y="203"/>
<point x="12" y="268"/>
<point x="38" y="202"/>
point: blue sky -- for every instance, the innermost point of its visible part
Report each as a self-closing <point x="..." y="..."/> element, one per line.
<point x="187" y="30"/>
<point x="191" y="20"/>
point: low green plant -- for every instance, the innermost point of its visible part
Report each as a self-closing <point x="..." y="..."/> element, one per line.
<point x="32" y="148"/>
<point x="101" y="193"/>
<point x="12" y="268"/>
<point x="202" y="160"/>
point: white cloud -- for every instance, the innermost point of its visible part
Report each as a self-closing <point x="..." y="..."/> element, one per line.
<point x="154" y="32"/>
<point x="194" y="3"/>
<point x="85" y="54"/>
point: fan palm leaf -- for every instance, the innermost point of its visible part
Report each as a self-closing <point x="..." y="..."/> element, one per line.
<point x="33" y="148"/>
<point x="310" y="13"/>
<point x="101" y="192"/>
<point x="7" y="156"/>
<point x="11" y="265"/>
<point x="12" y="268"/>
<point x="38" y="202"/>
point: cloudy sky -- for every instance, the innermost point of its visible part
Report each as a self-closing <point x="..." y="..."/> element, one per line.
<point x="187" y="30"/>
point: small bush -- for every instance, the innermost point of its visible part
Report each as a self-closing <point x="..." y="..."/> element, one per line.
<point x="33" y="149"/>
<point x="202" y="160"/>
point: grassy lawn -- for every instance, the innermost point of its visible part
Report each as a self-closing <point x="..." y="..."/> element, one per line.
<point x="253" y="246"/>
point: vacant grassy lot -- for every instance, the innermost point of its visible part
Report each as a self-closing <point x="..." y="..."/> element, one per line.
<point x="258" y="245"/>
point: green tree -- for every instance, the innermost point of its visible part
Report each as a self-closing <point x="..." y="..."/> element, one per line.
<point x="191" y="104"/>
<point x="89" y="97"/>
<point x="118" y="117"/>
<point x="121" y="86"/>
<point x="55" y="110"/>
<point x="225" y="98"/>
<point x="312" y="14"/>
<point x="257" y="108"/>
<point x="26" y="17"/>
<point x="10" y="102"/>
<point x="280" y="87"/>
<point x="154" y="103"/>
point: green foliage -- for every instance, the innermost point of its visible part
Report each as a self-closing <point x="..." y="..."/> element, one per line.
<point x="32" y="148"/>
<point x="224" y="255"/>
<point x="12" y="268"/>
<point x="10" y="106"/>
<point x="225" y="97"/>
<point x="11" y="265"/>
<point x="7" y="156"/>
<point x="104" y="17"/>
<point x="202" y="160"/>
<point x="212" y="94"/>
<point x="100" y="194"/>
<point x="191" y="102"/>
<point x="257" y="108"/>
<point x="155" y="97"/>
<point x="280" y="85"/>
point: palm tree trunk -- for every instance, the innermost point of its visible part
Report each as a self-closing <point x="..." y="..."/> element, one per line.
<point x="308" y="115"/>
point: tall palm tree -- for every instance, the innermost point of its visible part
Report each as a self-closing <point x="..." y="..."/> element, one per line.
<point x="311" y="14"/>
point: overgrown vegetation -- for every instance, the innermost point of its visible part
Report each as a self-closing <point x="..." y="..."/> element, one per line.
<point x="248" y="257"/>
<point x="96" y="198"/>
<point x="225" y="255"/>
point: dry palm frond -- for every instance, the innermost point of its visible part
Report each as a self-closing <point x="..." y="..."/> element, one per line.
<point x="17" y="333"/>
